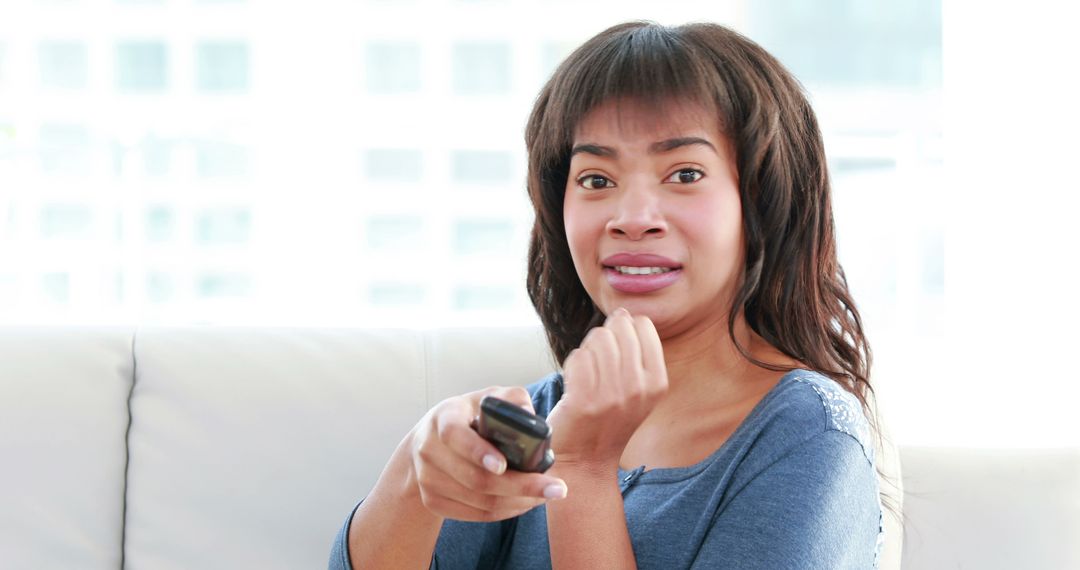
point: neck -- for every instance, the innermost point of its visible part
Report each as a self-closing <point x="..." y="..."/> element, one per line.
<point x="705" y="367"/>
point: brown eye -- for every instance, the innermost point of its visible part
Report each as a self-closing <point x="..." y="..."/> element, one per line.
<point x="687" y="176"/>
<point x="594" y="181"/>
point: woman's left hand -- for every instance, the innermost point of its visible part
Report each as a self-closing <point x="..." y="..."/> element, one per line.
<point x="611" y="384"/>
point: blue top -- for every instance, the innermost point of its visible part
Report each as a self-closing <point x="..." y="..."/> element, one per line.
<point x="794" y="487"/>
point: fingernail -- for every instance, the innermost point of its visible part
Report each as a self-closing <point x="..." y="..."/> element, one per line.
<point x="493" y="464"/>
<point x="555" y="491"/>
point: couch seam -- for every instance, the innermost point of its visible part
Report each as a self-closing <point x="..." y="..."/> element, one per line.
<point x="127" y="453"/>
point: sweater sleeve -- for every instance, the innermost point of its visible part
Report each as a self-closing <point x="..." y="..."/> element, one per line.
<point x="339" y="550"/>
<point x="460" y="545"/>
<point x="815" y="507"/>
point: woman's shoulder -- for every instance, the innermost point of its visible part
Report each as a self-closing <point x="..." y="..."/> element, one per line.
<point x="806" y="403"/>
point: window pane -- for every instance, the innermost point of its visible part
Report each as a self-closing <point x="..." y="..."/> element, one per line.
<point x="65" y="150"/>
<point x="160" y="287"/>
<point x="483" y="297"/>
<point x="483" y="237"/>
<point x="223" y="66"/>
<point x="849" y="43"/>
<point x="396" y="295"/>
<point x="140" y="66"/>
<point x="395" y="233"/>
<point x="223" y="226"/>
<point x="216" y="159"/>
<point x="482" y="69"/>
<point x="392" y="68"/>
<point x="482" y="167"/>
<point x="223" y="284"/>
<point x="56" y="287"/>
<point x="62" y="65"/>
<point x="156" y="156"/>
<point x="159" y="224"/>
<point x="66" y="221"/>
<point x="393" y="165"/>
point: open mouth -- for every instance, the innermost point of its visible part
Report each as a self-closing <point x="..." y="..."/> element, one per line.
<point x="629" y="279"/>
<point x="628" y="270"/>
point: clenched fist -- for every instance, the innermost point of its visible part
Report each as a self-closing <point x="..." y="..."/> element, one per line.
<point x="611" y="384"/>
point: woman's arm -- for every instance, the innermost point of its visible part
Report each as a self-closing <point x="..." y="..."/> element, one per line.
<point x="611" y="384"/>
<point x="441" y="469"/>
<point x="588" y="528"/>
<point x="392" y="528"/>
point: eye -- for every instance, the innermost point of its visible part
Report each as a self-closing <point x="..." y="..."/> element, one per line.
<point x="595" y="181"/>
<point x="686" y="176"/>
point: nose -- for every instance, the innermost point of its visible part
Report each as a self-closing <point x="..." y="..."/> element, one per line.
<point x="637" y="214"/>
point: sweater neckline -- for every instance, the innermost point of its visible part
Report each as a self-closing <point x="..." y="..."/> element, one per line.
<point x="673" y="474"/>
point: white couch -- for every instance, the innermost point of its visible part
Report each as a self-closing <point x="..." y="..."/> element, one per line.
<point x="202" y="448"/>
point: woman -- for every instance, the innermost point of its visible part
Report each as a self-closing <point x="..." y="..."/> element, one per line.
<point x="710" y="412"/>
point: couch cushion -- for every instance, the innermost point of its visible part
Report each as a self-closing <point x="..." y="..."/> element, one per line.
<point x="512" y="356"/>
<point x="990" y="509"/>
<point x="63" y="419"/>
<point x="248" y="446"/>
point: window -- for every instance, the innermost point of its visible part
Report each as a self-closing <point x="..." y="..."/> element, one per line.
<point x="478" y="236"/>
<point x="160" y="287"/>
<point x="223" y="226"/>
<point x="62" y="65"/>
<point x="219" y="159"/>
<point x="65" y="150"/>
<point x="385" y="294"/>
<point x="141" y="66"/>
<point x="481" y="68"/>
<point x="156" y="155"/>
<point x="56" y="287"/>
<point x="222" y="67"/>
<point x="66" y="221"/>
<point x="218" y="284"/>
<point x="400" y="233"/>
<point x="474" y="297"/>
<point x="892" y="43"/>
<point x="393" y="165"/>
<point x="160" y="222"/>
<point x="392" y="68"/>
<point x="482" y="167"/>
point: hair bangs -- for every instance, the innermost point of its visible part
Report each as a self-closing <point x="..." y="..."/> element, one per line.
<point x="638" y="61"/>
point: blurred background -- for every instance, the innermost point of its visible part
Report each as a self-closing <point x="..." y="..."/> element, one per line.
<point x="331" y="163"/>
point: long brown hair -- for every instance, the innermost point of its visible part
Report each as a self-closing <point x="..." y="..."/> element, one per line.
<point x="793" y="293"/>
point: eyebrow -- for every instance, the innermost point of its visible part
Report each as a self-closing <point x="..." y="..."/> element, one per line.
<point x="655" y="148"/>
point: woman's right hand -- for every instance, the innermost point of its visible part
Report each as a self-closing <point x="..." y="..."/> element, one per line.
<point x="461" y="475"/>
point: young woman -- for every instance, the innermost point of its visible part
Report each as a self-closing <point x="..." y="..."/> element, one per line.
<point x="710" y="409"/>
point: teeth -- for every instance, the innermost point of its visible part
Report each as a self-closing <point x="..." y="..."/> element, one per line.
<point x="626" y="270"/>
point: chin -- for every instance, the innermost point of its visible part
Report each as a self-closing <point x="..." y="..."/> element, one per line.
<point x="649" y="307"/>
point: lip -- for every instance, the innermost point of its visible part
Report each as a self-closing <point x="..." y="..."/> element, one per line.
<point x="640" y="260"/>
<point x="640" y="283"/>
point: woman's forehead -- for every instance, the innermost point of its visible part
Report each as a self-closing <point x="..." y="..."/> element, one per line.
<point x="639" y="120"/>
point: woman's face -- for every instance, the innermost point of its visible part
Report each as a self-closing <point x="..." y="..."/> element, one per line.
<point x="644" y="182"/>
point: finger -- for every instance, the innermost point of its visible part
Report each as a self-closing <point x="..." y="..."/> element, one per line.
<point x="652" y="350"/>
<point x="515" y="395"/>
<point x="605" y="349"/>
<point x="579" y="373"/>
<point x="443" y="494"/>
<point x="630" y="363"/>
<point x="478" y="480"/>
<point x="453" y="429"/>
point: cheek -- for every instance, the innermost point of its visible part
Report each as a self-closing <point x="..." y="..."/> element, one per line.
<point x="715" y="228"/>
<point x="580" y="231"/>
